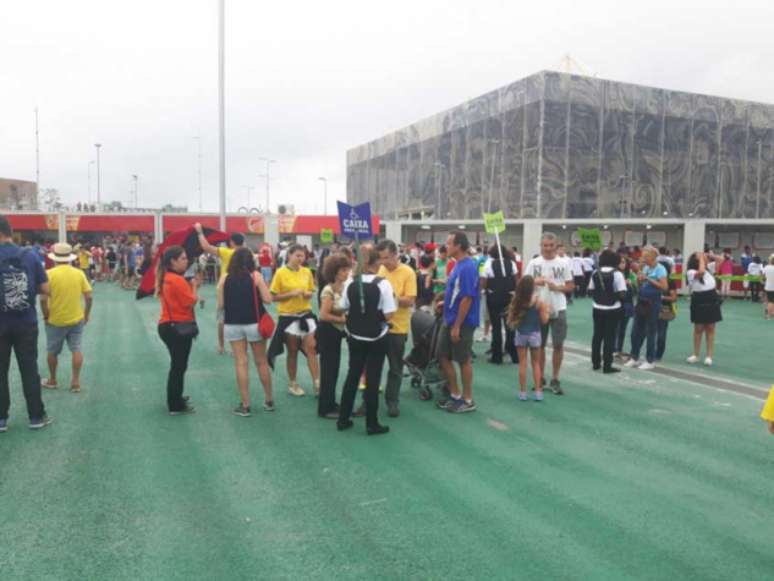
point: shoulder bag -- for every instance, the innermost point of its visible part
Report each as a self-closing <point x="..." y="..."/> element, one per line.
<point x="265" y="322"/>
<point x="184" y="329"/>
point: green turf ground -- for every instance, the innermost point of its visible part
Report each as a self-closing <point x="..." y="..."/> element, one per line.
<point x="631" y="477"/>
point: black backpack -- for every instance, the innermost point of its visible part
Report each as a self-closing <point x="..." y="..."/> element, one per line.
<point x="16" y="294"/>
<point x="499" y="287"/>
<point x="367" y="321"/>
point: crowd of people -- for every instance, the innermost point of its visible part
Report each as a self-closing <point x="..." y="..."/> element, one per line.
<point x="364" y="297"/>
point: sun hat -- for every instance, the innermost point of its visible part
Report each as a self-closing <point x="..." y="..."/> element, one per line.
<point x="62" y="252"/>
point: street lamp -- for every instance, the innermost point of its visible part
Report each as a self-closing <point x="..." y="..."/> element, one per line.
<point x="325" y="195"/>
<point x="267" y="175"/>
<point x="99" y="178"/>
<point x="135" y="179"/>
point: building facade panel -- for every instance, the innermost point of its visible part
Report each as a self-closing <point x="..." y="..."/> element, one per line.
<point x="555" y="145"/>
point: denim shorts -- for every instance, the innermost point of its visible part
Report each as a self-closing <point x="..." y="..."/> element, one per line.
<point x="531" y="340"/>
<point x="241" y="332"/>
<point x="56" y="337"/>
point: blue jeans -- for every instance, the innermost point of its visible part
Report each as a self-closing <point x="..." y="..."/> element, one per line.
<point x="646" y="329"/>
<point x="620" y="334"/>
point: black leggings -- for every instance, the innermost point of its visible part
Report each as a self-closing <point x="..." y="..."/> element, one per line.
<point x="329" y="346"/>
<point x="602" y="343"/>
<point x="368" y="355"/>
<point x="179" y="349"/>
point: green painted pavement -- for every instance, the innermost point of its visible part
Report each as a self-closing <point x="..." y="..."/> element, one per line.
<point x="628" y="477"/>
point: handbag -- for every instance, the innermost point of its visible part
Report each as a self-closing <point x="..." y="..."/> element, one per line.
<point x="667" y="312"/>
<point x="183" y="329"/>
<point x="265" y="322"/>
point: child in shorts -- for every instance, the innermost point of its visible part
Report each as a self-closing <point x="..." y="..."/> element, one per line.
<point x="527" y="314"/>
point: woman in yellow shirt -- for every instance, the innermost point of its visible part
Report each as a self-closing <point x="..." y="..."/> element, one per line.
<point x="293" y="289"/>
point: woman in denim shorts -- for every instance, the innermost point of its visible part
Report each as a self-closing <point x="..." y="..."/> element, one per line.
<point x="241" y="295"/>
<point x="527" y="314"/>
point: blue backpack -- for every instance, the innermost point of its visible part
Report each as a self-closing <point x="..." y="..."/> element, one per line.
<point x="16" y="294"/>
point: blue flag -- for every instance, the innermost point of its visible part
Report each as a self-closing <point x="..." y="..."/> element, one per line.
<point x="355" y="221"/>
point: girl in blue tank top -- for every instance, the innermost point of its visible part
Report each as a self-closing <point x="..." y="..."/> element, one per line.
<point x="528" y="315"/>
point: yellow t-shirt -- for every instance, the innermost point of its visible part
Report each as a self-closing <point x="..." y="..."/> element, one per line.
<point x="225" y="255"/>
<point x="404" y="284"/>
<point x="286" y="280"/>
<point x="83" y="259"/>
<point x="767" y="413"/>
<point x="65" y="304"/>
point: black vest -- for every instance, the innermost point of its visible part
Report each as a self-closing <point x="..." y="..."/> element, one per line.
<point x="498" y="287"/>
<point x="368" y="323"/>
<point x="604" y="294"/>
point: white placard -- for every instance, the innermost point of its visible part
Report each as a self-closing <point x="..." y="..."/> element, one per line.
<point x="304" y="240"/>
<point x="634" y="238"/>
<point x="728" y="240"/>
<point x="763" y="240"/>
<point x="657" y="238"/>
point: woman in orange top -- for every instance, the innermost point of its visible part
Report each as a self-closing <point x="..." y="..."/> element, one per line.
<point x="178" y="299"/>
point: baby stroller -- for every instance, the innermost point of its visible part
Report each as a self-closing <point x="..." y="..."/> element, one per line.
<point x="422" y="361"/>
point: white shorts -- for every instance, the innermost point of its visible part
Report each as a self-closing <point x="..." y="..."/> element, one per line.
<point x="241" y="332"/>
<point x="295" y="328"/>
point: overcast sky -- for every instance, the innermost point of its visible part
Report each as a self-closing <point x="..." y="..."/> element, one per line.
<point x="308" y="80"/>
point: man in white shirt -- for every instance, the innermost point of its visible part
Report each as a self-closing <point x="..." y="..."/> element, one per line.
<point x="553" y="278"/>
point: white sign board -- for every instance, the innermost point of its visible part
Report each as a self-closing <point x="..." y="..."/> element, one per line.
<point x="728" y="240"/>
<point x="634" y="238"/>
<point x="657" y="238"/>
<point x="763" y="240"/>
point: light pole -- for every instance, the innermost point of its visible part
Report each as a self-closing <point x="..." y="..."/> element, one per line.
<point x="325" y="194"/>
<point x="37" y="151"/>
<point x="198" y="140"/>
<point x="222" y="111"/>
<point x="136" y="180"/>
<point x="494" y="142"/>
<point x="91" y="163"/>
<point x="99" y="179"/>
<point x="267" y="175"/>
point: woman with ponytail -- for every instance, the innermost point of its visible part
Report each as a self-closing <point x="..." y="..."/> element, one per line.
<point x="526" y="315"/>
<point x="177" y="324"/>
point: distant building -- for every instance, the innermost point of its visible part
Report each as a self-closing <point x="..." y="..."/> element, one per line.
<point x="561" y="146"/>
<point x="18" y="195"/>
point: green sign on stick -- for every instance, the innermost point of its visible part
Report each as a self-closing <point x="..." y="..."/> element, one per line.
<point x="590" y="238"/>
<point x="326" y="235"/>
<point x="494" y="223"/>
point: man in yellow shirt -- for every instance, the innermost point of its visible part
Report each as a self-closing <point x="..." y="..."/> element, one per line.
<point x="64" y="313"/>
<point x="404" y="284"/>
<point x="236" y="241"/>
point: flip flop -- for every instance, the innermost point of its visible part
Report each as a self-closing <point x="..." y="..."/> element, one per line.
<point x="48" y="385"/>
<point x="75" y="389"/>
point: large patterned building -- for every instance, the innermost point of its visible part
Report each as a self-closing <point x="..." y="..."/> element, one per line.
<point x="558" y="146"/>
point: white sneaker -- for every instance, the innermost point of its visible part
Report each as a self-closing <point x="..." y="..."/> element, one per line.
<point x="708" y="362"/>
<point x="296" y="389"/>
<point x="646" y="366"/>
<point x="692" y="359"/>
<point x="632" y="363"/>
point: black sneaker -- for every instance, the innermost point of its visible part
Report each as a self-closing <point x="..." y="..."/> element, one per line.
<point x="393" y="410"/>
<point x="556" y="387"/>
<point x="611" y="370"/>
<point x="345" y="425"/>
<point x="189" y="409"/>
<point x="242" y="410"/>
<point x="40" y="423"/>
<point x="377" y="430"/>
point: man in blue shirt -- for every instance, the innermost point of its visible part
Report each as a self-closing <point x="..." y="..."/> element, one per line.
<point x="22" y="278"/>
<point x="461" y="309"/>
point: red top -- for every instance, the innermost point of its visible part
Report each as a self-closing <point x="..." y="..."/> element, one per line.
<point x="177" y="297"/>
<point x="264" y="258"/>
